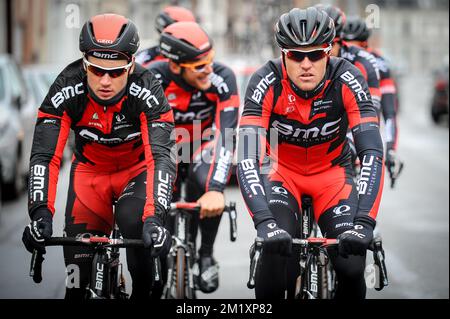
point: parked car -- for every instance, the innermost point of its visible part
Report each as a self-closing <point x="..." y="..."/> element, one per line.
<point x="17" y="117"/>
<point x="439" y="103"/>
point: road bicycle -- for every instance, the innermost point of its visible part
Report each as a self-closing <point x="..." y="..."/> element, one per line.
<point x="107" y="279"/>
<point x="181" y="260"/>
<point x="317" y="279"/>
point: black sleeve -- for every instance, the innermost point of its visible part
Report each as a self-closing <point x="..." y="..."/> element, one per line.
<point x="50" y="136"/>
<point x="253" y="126"/>
<point x="157" y="127"/>
<point x="226" y="118"/>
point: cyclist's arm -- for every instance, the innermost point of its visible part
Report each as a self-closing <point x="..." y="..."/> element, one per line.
<point x="253" y="126"/>
<point x="363" y="121"/>
<point x="389" y="108"/>
<point x="50" y="136"/>
<point x="226" y="118"/>
<point x="157" y="127"/>
<point x="367" y="64"/>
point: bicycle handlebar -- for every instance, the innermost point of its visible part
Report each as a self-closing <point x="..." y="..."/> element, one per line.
<point x="195" y="207"/>
<point x="37" y="258"/>
<point x="375" y="246"/>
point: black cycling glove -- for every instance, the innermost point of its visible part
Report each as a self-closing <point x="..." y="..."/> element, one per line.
<point x="276" y="240"/>
<point x="156" y="237"/>
<point x="39" y="229"/>
<point x="356" y="241"/>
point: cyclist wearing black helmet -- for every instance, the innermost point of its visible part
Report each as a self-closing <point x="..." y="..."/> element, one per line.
<point x="123" y="152"/>
<point x="166" y="17"/>
<point x="363" y="60"/>
<point x="357" y="33"/>
<point x="309" y="100"/>
<point x="204" y="97"/>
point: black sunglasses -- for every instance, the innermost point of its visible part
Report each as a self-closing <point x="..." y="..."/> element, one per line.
<point x="313" y="55"/>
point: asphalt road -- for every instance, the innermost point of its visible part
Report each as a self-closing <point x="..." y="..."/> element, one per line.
<point x="413" y="220"/>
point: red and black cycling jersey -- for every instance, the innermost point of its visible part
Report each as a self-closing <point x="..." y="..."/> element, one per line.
<point x="311" y="132"/>
<point x="149" y="55"/>
<point x="216" y="108"/>
<point x="368" y="65"/>
<point x="389" y="100"/>
<point x="109" y="138"/>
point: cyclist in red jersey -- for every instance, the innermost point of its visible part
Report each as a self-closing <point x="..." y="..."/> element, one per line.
<point x="123" y="152"/>
<point x="357" y="33"/>
<point x="363" y="60"/>
<point x="204" y="97"/>
<point x="308" y="100"/>
<point x="166" y="17"/>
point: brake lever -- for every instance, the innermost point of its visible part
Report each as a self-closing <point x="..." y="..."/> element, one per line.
<point x="379" y="258"/>
<point x="258" y="246"/>
<point x="36" y="266"/>
<point x="233" y="221"/>
<point x="394" y="173"/>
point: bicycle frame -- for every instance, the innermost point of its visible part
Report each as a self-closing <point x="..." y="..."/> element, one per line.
<point x="182" y="252"/>
<point x="181" y="241"/>
<point x="106" y="281"/>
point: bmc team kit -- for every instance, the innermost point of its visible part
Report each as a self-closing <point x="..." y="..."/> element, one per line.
<point x="181" y="259"/>
<point x="317" y="279"/>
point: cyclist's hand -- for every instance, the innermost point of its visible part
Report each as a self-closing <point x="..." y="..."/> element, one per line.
<point x="39" y="229"/>
<point x="356" y="241"/>
<point x="156" y="237"/>
<point x="212" y="204"/>
<point x="390" y="161"/>
<point x="276" y="240"/>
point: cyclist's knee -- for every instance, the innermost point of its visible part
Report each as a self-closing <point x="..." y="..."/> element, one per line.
<point x="284" y="216"/>
<point x="352" y="267"/>
<point x="128" y="216"/>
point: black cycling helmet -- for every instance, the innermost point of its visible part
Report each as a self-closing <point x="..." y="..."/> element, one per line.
<point x="172" y="14"/>
<point x="184" y="42"/>
<point x="337" y="15"/>
<point x="304" y="28"/>
<point x="356" y="29"/>
<point x="105" y="35"/>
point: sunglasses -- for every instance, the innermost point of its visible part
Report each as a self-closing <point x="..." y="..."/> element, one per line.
<point x="200" y="66"/>
<point x="112" y="72"/>
<point x="312" y="55"/>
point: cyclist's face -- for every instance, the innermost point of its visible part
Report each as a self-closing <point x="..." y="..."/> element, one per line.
<point x="104" y="86"/>
<point x="306" y="74"/>
<point x="198" y="77"/>
<point x="335" y="49"/>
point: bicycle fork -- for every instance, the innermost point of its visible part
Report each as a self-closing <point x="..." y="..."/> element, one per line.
<point x="181" y="242"/>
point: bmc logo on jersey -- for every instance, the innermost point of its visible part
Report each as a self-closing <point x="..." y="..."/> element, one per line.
<point x="219" y="83"/>
<point x="306" y="133"/>
<point x="143" y="94"/>
<point x="223" y="165"/>
<point x="355" y="86"/>
<point x="191" y="116"/>
<point x="66" y="93"/>
<point x="252" y="179"/>
<point x="262" y="86"/>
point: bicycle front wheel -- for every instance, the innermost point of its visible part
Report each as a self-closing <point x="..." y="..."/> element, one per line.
<point x="180" y="275"/>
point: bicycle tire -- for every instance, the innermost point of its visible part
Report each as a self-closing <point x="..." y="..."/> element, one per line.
<point x="180" y="275"/>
